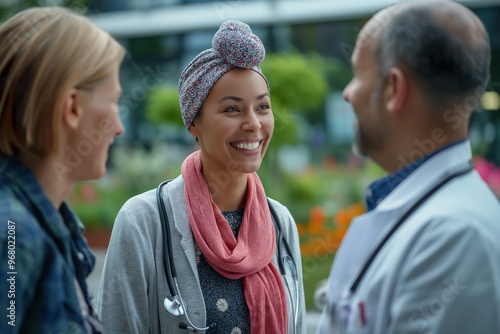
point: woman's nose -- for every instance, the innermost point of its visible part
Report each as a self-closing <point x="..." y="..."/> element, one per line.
<point x="251" y="121"/>
<point x="120" y="129"/>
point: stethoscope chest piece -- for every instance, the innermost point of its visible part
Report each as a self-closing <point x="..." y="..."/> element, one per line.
<point x="173" y="306"/>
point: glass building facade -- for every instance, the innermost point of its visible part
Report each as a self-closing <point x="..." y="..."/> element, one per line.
<point x="162" y="36"/>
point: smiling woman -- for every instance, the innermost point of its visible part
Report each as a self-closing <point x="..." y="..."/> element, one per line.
<point x="234" y="124"/>
<point x="221" y="242"/>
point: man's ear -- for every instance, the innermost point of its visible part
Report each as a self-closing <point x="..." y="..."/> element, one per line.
<point x="396" y="90"/>
<point x="72" y="112"/>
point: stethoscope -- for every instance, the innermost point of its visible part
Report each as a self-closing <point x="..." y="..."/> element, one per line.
<point x="175" y="304"/>
<point x="343" y="307"/>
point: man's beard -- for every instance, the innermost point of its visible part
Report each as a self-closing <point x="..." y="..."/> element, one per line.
<point x="367" y="141"/>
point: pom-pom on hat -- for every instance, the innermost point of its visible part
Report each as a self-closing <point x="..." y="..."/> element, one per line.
<point x="234" y="45"/>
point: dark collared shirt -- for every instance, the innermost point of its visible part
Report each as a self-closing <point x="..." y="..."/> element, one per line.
<point x="43" y="258"/>
<point x="381" y="188"/>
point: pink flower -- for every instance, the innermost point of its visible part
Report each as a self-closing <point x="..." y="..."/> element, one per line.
<point x="489" y="173"/>
<point x="494" y="181"/>
<point x="483" y="167"/>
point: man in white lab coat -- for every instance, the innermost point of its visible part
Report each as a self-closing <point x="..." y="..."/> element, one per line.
<point x="425" y="258"/>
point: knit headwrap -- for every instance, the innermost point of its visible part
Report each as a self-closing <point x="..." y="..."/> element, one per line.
<point x="234" y="45"/>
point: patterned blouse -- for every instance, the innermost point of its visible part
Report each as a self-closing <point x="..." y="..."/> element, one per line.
<point x="224" y="298"/>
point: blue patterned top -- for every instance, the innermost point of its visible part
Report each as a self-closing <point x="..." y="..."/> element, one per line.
<point x="224" y="298"/>
<point x="44" y="258"/>
<point x="381" y="188"/>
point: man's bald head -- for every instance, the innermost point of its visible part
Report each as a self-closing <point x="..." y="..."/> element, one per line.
<point x="441" y="44"/>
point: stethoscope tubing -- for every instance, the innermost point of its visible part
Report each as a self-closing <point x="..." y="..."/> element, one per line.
<point x="294" y="303"/>
<point x="168" y="259"/>
<point x="171" y="273"/>
<point x="401" y="220"/>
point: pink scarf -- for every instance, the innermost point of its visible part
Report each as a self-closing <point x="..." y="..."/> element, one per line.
<point x="250" y="256"/>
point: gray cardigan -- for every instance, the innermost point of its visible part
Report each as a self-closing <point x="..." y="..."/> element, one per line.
<point x="133" y="283"/>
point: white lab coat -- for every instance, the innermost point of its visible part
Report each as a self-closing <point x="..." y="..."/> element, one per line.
<point x="438" y="273"/>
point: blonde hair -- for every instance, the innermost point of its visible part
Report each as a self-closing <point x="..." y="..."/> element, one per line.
<point x="45" y="52"/>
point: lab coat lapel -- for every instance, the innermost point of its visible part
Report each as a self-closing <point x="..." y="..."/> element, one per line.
<point x="428" y="175"/>
<point x="359" y="242"/>
<point x="366" y="232"/>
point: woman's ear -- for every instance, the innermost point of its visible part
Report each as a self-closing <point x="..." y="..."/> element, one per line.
<point x="396" y="90"/>
<point x="72" y="110"/>
<point x="193" y="130"/>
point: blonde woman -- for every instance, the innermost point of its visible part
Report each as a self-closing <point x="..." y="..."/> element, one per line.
<point x="59" y="91"/>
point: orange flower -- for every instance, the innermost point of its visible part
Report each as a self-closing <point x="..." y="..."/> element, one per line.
<point x="315" y="227"/>
<point x="317" y="239"/>
<point x="338" y="235"/>
<point x="334" y="237"/>
<point x="344" y="216"/>
<point x="317" y="213"/>
<point x="305" y="249"/>
<point x="317" y="221"/>
<point x="342" y="219"/>
<point x="301" y="229"/>
<point x="356" y="209"/>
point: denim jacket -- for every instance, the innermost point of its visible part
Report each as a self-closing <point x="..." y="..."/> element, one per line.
<point x="44" y="259"/>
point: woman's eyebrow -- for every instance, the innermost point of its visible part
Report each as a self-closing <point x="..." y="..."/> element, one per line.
<point x="234" y="98"/>
<point x="239" y="99"/>
<point x="260" y="97"/>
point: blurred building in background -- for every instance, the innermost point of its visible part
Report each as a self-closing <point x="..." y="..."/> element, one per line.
<point x="162" y="36"/>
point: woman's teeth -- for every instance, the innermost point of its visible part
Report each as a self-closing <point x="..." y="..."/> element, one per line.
<point x="247" y="146"/>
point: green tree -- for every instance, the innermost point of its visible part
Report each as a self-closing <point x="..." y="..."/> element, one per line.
<point x="297" y="82"/>
<point x="162" y="106"/>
